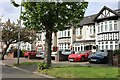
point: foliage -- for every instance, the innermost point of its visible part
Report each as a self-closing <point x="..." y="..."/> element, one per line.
<point x="15" y="50"/>
<point x="52" y="17"/>
<point x="23" y="51"/>
<point x="117" y="51"/>
<point x="42" y="66"/>
<point x="10" y="34"/>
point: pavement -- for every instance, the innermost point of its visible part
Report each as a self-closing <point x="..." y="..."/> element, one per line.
<point x="33" y="68"/>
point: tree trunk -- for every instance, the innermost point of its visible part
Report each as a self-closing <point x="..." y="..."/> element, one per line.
<point x="48" y="48"/>
<point x="5" y="51"/>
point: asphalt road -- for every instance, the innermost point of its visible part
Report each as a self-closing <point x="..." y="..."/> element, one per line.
<point x="10" y="72"/>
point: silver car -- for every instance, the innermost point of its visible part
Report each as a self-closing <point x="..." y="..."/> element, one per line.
<point x="40" y="54"/>
<point x="66" y="52"/>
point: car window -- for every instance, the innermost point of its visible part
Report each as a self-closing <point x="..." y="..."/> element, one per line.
<point x="101" y="53"/>
<point x="81" y="52"/>
<point x="67" y="50"/>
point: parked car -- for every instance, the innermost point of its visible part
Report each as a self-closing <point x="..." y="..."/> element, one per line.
<point x="30" y="54"/>
<point x="64" y="53"/>
<point x="99" y="57"/>
<point x="40" y="54"/>
<point x="67" y="52"/>
<point x="80" y="56"/>
<point x="53" y="54"/>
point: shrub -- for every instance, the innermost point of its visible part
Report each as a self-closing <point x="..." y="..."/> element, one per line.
<point x="15" y="50"/>
<point x="23" y="51"/>
<point x="117" y="51"/>
<point x="42" y="66"/>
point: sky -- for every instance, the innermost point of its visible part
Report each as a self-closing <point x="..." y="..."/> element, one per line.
<point x="8" y="11"/>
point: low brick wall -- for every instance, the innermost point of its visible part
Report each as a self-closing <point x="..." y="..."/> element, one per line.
<point x="11" y="54"/>
<point x="116" y="60"/>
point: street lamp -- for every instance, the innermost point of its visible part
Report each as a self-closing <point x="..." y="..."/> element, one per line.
<point x="19" y="22"/>
<point x="19" y="36"/>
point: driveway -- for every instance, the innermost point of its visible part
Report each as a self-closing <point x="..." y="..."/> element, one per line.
<point x="54" y="63"/>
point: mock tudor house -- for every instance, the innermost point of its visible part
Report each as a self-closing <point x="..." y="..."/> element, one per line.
<point x="107" y="23"/>
<point x="96" y="32"/>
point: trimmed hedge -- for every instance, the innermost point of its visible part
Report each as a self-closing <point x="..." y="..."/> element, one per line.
<point x="15" y="50"/>
<point x="117" y="51"/>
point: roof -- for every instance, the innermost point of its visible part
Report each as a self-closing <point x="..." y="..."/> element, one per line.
<point x="88" y="20"/>
<point x="116" y="12"/>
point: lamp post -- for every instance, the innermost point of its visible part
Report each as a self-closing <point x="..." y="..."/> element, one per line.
<point x="19" y="36"/>
<point x="19" y="22"/>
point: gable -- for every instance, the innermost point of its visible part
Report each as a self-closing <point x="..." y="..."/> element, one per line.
<point x="106" y="13"/>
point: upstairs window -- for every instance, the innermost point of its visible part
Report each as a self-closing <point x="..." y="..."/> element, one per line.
<point x="68" y="33"/>
<point x="115" y="25"/>
<point x="98" y="27"/>
<point x="110" y="26"/>
<point x="80" y="31"/>
<point x="106" y="27"/>
<point x="93" y="29"/>
<point x="101" y="26"/>
<point x="90" y="29"/>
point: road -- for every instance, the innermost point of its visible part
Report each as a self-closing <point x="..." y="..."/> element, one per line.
<point x="10" y="72"/>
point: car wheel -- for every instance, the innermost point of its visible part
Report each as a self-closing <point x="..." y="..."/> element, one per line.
<point x="90" y="61"/>
<point x="83" y="58"/>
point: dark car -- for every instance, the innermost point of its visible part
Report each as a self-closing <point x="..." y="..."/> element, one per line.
<point x="98" y="57"/>
<point x="63" y="54"/>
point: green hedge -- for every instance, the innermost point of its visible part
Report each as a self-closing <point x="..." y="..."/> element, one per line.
<point x="15" y="50"/>
<point x="117" y="51"/>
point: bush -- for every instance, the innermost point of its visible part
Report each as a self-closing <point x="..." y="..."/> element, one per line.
<point x="42" y="66"/>
<point x="117" y="51"/>
<point x="15" y="50"/>
<point x="23" y="51"/>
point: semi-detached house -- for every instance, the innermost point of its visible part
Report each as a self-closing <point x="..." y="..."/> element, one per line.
<point x="96" y="32"/>
<point x="99" y="31"/>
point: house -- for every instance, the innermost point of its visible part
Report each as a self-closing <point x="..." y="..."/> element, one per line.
<point x="107" y="23"/>
<point x="99" y="31"/>
<point x="85" y="35"/>
<point x="40" y="41"/>
<point x="66" y="38"/>
<point x="96" y="32"/>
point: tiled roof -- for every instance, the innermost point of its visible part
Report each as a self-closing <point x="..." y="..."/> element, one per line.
<point x="87" y="20"/>
<point x="117" y="11"/>
<point x="90" y="19"/>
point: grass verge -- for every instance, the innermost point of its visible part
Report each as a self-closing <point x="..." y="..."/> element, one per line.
<point x="81" y="72"/>
<point x="27" y="63"/>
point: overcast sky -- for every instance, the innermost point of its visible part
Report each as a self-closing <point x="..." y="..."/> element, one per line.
<point x="7" y="10"/>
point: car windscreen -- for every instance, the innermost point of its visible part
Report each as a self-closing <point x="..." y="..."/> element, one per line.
<point x="81" y="52"/>
<point x="67" y="50"/>
<point x="100" y="53"/>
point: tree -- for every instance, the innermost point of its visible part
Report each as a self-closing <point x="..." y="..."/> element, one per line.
<point x="10" y="35"/>
<point x="51" y="17"/>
